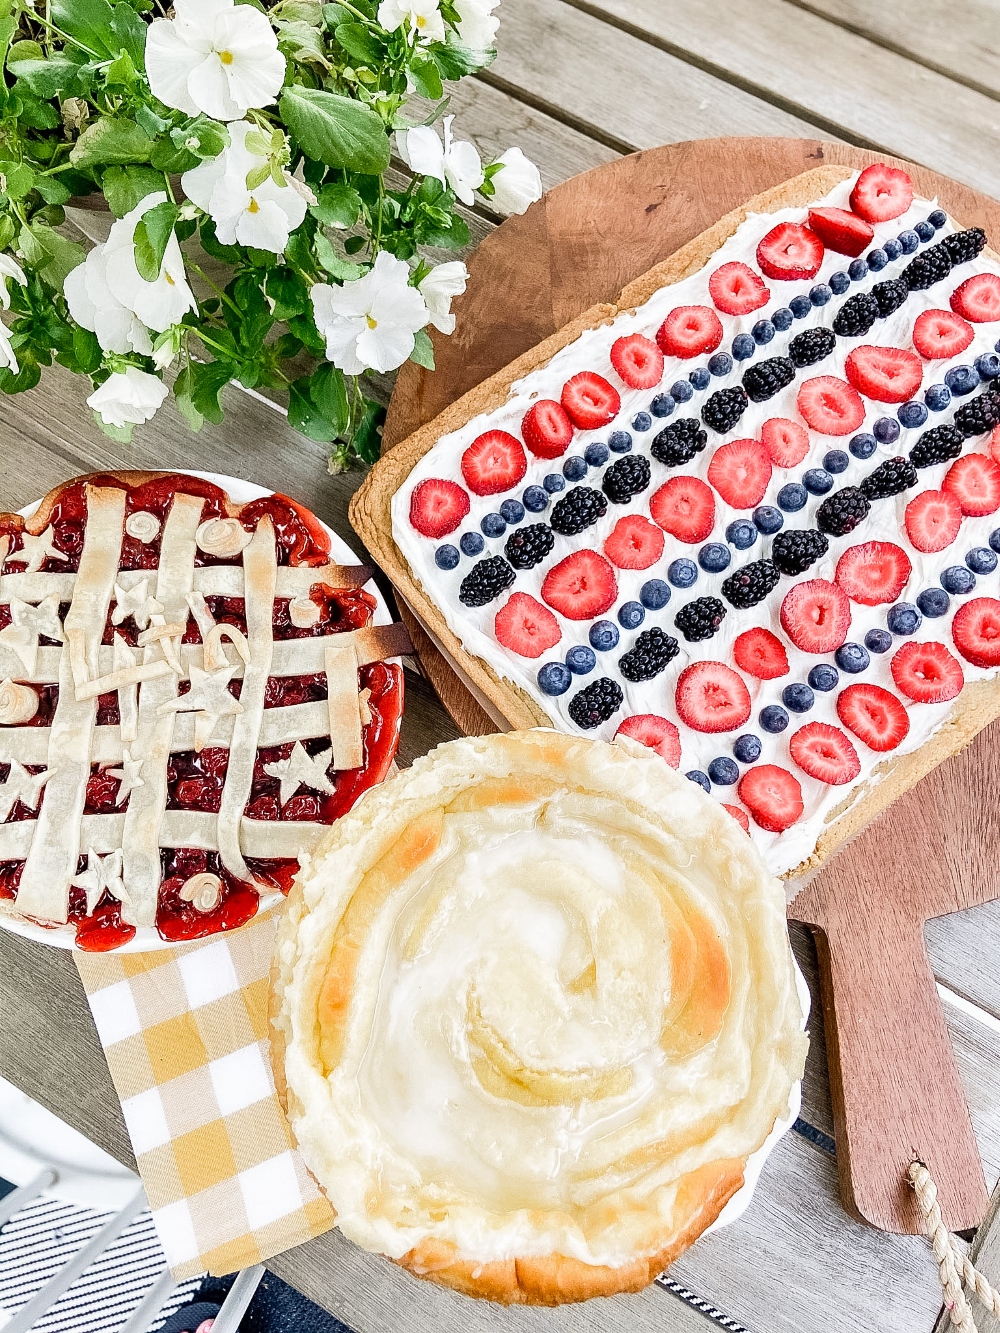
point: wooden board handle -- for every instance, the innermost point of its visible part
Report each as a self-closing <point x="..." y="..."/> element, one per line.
<point x="896" y="1090"/>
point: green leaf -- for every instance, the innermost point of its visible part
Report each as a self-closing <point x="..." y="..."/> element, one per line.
<point x="26" y="50"/>
<point x="300" y="11"/>
<point x="207" y="381"/>
<point x="426" y="77"/>
<point x="31" y="249"/>
<point x="112" y="140"/>
<point x="17" y="181"/>
<point x="302" y="43"/>
<point x="423" y="349"/>
<point x="305" y="330"/>
<point x="53" y="189"/>
<point x="27" y="378"/>
<point x="202" y="136"/>
<point x="336" y="130"/>
<point x="229" y="254"/>
<point x="255" y="320"/>
<point x="121" y="71"/>
<point x="455" y="61"/>
<point x="366" y="438"/>
<point x="125" y="187"/>
<point x="183" y="390"/>
<point x="305" y="416"/>
<point x="130" y="31"/>
<point x="359" y="43"/>
<point x="148" y="120"/>
<point x="355" y="243"/>
<point x="256" y="176"/>
<point x="89" y="21"/>
<point x="37" y="115"/>
<point x="7" y="231"/>
<point x="337" y="267"/>
<point x="288" y="292"/>
<point x="55" y="77"/>
<point x="151" y="238"/>
<point x="61" y="255"/>
<point x="334" y="15"/>
<point x="329" y="392"/>
<point x="166" y="157"/>
<point x="338" y="205"/>
<point x="121" y="434"/>
<point x="84" y="354"/>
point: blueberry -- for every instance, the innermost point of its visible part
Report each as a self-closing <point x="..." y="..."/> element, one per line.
<point x="654" y="594"/>
<point x="823" y="677"/>
<point x="892" y="248"/>
<point x="937" y="397"/>
<point x="958" y="579"/>
<point x="877" y="260"/>
<point x="744" y="346"/>
<point x="720" y="363"/>
<point x="852" y="658"/>
<point x="988" y="365"/>
<point x="723" y="771"/>
<point x="742" y="534"/>
<point x="836" y="461"/>
<point x="714" y="557"/>
<point x="662" y="405"/>
<point x="512" y="511"/>
<point x="821" y="294"/>
<point x="763" y="331"/>
<point x="747" y="748"/>
<point x="446" y="557"/>
<point x="857" y="268"/>
<point x="596" y="454"/>
<point x="961" y="380"/>
<point x="981" y="560"/>
<point x="878" y="641"/>
<point x="903" y="618"/>
<point x="619" y="441"/>
<point x="886" y="430"/>
<point x="933" y="602"/>
<point x="782" y="319"/>
<point x="996" y="345"/>
<point x="817" y="481"/>
<point x="792" y="498"/>
<point x="574" y="468"/>
<point x="604" y="635"/>
<point x="681" y="392"/>
<point x="554" y="678"/>
<point x="493" y="525"/>
<point x="535" y="500"/>
<point x="767" y="519"/>
<point x="631" y="615"/>
<point x="800" y="306"/>
<point x="938" y="218"/>
<point x="924" y="230"/>
<point x="839" y="282"/>
<point x="696" y="775"/>
<point x="642" y="421"/>
<point x="554" y="482"/>
<point x="798" y="697"/>
<point x="863" y="445"/>
<point x="994" y="539"/>
<point x="471" y="542"/>
<point x="911" y="414"/>
<point x="773" y="718"/>
<point x="682" y="573"/>
<point x="908" y="241"/>
<point x="700" y="378"/>
<point x="580" y="659"/>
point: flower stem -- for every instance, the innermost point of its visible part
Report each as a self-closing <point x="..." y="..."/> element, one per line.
<point x="195" y="268"/>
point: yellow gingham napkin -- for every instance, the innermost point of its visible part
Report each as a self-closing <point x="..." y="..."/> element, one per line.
<point x="186" y="1038"/>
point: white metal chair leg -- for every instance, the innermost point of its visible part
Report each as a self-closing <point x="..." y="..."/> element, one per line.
<point x="20" y="1198"/>
<point x="235" y="1304"/>
<point x="147" y="1310"/>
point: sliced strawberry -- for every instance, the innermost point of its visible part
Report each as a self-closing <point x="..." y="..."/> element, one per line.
<point x="790" y="251"/>
<point x="927" y="672"/>
<point x="772" y="795"/>
<point x="581" y="586"/>
<point x="741" y="472"/>
<point x="976" y="631"/>
<point x="546" y="428"/>
<point x="711" y="697"/>
<point x="830" y="406"/>
<point x="493" y="462"/>
<point x="886" y="374"/>
<point x="688" y="331"/>
<point x="932" y="520"/>
<point x="881" y="192"/>
<point x="737" y="289"/>
<point x="437" y="507"/>
<point x="978" y="298"/>
<point x="995" y="444"/>
<point x="590" y="401"/>
<point x="634" y="543"/>
<point x="873" y="573"/>
<point x="938" y="335"/>
<point x="638" y="361"/>
<point x="656" y="732"/>
<point x="760" y="653"/>
<point x="526" y="627"/>
<point x="684" y="507"/>
<point x="841" y="230"/>
<point x="974" y="481"/>
<point x="786" y="441"/>
<point x="874" y="715"/>
<point x="741" y="816"/>
<point x="825" y="753"/>
<point x="816" y="616"/>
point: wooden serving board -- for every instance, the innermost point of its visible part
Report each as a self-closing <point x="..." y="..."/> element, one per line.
<point x="896" y="1090"/>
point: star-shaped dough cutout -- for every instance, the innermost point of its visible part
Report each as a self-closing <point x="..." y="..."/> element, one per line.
<point x="135" y="602"/>
<point x="35" y="550"/>
<point x="128" y="775"/>
<point x="21" y="786"/>
<point x="208" y="698"/>
<point x="103" y="872"/>
<point x="27" y="623"/>
<point x="301" y="769"/>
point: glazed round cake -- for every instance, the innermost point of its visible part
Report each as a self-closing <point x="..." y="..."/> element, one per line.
<point x="533" y="1009"/>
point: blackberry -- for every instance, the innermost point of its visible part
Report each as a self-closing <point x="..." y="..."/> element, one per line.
<point x="650" y="654"/>
<point x="767" y="378"/>
<point x="810" y="346"/>
<point x="751" y="584"/>
<point x="626" y="478"/>
<point x="940" y="444"/>
<point x="841" y="512"/>
<point x="679" y="442"/>
<point x="964" y="245"/>
<point x="595" y="704"/>
<point x="889" y="478"/>
<point x="724" y="408"/>
<point x="927" y="269"/>
<point x="979" y="416"/>
<point x="890" y="295"/>
<point x="486" y="580"/>
<point x="528" y="546"/>
<point x="577" y="510"/>
<point x="793" y="551"/>
<point x="700" y="618"/>
<point x="856" y="316"/>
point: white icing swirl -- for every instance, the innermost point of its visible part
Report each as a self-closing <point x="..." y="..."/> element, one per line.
<point x="202" y="891"/>
<point x="18" y="703"/>
<point x="303" y="612"/>
<point x="225" y="537"/>
<point x="143" y="526"/>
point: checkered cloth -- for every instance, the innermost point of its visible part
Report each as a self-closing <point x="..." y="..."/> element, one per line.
<point x="185" y="1034"/>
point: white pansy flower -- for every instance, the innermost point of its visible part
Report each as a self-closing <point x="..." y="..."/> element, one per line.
<point x="216" y="57"/>
<point x="166" y="299"/>
<point x="517" y="185"/>
<point x="454" y="162"/>
<point x="95" y="307"/>
<point x="477" y="24"/>
<point x="128" y="398"/>
<point x="9" y="268"/>
<point x="7" y="358"/>
<point x="423" y="15"/>
<point x="262" y="217"/>
<point x="442" y="283"/>
<point x="369" y="323"/>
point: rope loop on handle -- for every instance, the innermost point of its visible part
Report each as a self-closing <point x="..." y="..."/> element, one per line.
<point x="955" y="1269"/>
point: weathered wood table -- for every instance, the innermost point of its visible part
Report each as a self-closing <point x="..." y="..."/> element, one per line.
<point x="577" y="84"/>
